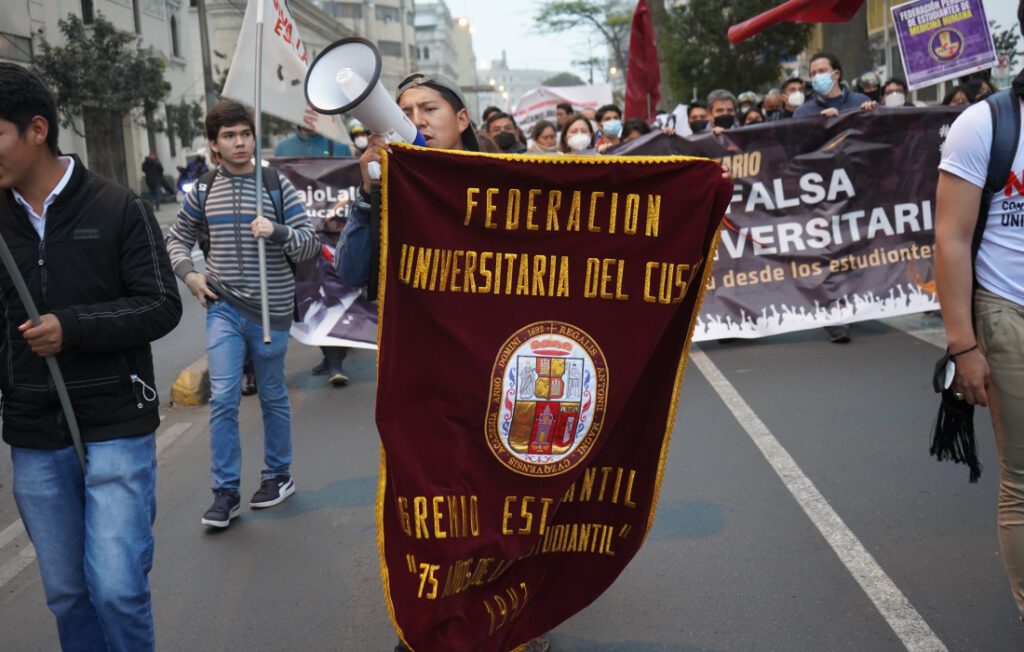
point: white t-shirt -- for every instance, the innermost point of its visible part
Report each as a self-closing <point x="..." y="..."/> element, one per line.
<point x="1000" y="262"/>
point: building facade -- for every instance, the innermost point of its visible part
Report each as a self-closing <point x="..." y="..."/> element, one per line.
<point x="389" y="24"/>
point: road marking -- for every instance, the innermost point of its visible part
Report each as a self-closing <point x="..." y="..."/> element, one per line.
<point x="169" y="436"/>
<point x="901" y="616"/>
<point x="20" y="562"/>
<point x="24" y="559"/>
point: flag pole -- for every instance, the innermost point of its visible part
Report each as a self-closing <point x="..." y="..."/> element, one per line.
<point x="261" y="246"/>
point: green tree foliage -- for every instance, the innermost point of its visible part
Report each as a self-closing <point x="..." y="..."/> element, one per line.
<point x="563" y="79"/>
<point x="100" y="67"/>
<point x="1006" y="42"/>
<point x="697" y="53"/>
<point x="186" y="121"/>
<point x="610" y="19"/>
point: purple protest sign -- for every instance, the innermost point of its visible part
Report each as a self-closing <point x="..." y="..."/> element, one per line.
<point x="942" y="39"/>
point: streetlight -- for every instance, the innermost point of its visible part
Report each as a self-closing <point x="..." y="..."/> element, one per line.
<point x="492" y="81"/>
<point x="612" y="71"/>
<point x="463" y="22"/>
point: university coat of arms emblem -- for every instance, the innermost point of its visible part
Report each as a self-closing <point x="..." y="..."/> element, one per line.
<point x="547" y="401"/>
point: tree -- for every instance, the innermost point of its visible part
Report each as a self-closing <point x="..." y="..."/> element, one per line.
<point x="611" y="19"/>
<point x="100" y="67"/>
<point x="185" y="119"/>
<point x="1006" y="42"/>
<point x="699" y="57"/>
<point x="563" y="79"/>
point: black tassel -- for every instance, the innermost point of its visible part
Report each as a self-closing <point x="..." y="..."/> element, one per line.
<point x="953" y="438"/>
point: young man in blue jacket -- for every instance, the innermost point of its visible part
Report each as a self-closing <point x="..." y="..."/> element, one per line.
<point x="91" y="255"/>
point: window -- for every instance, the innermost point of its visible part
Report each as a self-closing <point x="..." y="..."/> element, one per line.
<point x="426" y="52"/>
<point x="412" y="52"/>
<point x="175" y="45"/>
<point x="390" y="48"/>
<point x="88" y="16"/>
<point x="388" y="15"/>
<point x="15" y="48"/>
<point x="342" y="9"/>
<point x="410" y="19"/>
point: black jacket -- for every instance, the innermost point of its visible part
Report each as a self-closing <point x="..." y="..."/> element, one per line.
<point x="103" y="271"/>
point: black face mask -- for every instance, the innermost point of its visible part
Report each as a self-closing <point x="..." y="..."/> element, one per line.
<point x="875" y="94"/>
<point x="698" y="125"/>
<point x="725" y="121"/>
<point x="505" y="141"/>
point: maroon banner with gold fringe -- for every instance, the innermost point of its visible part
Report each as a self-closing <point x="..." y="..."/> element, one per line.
<point x="535" y="317"/>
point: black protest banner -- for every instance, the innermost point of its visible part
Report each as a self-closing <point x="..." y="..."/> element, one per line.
<point x="831" y="220"/>
<point x="329" y="312"/>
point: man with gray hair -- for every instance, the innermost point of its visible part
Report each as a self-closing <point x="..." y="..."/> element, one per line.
<point x="723" y="108"/>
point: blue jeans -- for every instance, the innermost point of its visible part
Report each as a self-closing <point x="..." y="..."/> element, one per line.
<point x="93" y="538"/>
<point x="228" y="335"/>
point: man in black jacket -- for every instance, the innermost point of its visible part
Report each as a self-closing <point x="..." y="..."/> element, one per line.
<point x="93" y="259"/>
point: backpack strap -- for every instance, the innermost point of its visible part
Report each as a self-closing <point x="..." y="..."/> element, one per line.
<point x="1005" y="109"/>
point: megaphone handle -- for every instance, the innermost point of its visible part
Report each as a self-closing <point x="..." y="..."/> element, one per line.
<point x="373" y="169"/>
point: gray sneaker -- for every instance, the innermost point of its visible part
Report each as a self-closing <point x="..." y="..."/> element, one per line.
<point x="272" y="491"/>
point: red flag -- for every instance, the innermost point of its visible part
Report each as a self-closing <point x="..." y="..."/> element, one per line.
<point x="796" y="11"/>
<point x="643" y="74"/>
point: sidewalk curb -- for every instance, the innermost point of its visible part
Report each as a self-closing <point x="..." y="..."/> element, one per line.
<point x="192" y="387"/>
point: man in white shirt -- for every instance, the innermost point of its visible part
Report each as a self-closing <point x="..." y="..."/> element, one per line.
<point x="988" y="351"/>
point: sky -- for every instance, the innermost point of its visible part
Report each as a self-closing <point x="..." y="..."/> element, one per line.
<point x="508" y="25"/>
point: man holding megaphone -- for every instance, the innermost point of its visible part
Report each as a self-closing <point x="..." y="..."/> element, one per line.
<point x="437" y="108"/>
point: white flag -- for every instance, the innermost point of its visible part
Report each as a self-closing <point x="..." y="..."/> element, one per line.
<point x="541" y="102"/>
<point x="284" y="70"/>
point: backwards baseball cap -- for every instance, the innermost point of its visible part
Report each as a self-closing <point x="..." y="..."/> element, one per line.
<point x="452" y="94"/>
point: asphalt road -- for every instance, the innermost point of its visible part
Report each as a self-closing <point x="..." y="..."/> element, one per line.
<point x="800" y="511"/>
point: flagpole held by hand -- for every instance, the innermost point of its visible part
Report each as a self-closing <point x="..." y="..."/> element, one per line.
<point x="261" y="246"/>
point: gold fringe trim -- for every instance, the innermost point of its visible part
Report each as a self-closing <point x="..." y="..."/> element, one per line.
<point x="561" y="159"/>
<point x="680" y="373"/>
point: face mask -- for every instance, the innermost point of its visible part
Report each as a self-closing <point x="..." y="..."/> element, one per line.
<point x="612" y="127"/>
<point x="361" y="142"/>
<point x="895" y="99"/>
<point x="822" y="83"/>
<point x="505" y="141"/>
<point x="874" y="94"/>
<point x="795" y="99"/>
<point x="725" y="121"/>
<point x="697" y="126"/>
<point x="578" y="142"/>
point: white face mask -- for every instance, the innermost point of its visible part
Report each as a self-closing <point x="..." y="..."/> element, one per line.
<point x="795" y="99"/>
<point x="578" y="142"/>
<point x="895" y="99"/>
<point x="361" y="142"/>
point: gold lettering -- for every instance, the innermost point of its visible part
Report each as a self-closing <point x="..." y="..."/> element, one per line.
<point x="405" y="265"/>
<point x="523" y="282"/>
<point x="605" y="470"/>
<point x="419" y="508"/>
<point x="540" y="264"/>
<point x="505" y="515"/>
<point x="403" y="515"/>
<point x="612" y="216"/>
<point x="485" y="259"/>
<point x="594" y="196"/>
<point x="589" y="474"/>
<point x="545" y="503"/>
<point x="470" y="203"/>
<point x="563" y="278"/>
<point x="456" y="271"/>
<point x="653" y="215"/>
<point x="524" y="512"/>
<point x="423" y="257"/>
<point x="469" y="284"/>
<point x="436" y="504"/>
<point x="632" y="211"/>
<point x="573" y="223"/>
<point x="627" y="500"/>
<point x="618" y="483"/>
<point x="554" y="203"/>
<point x="512" y="212"/>
<point x="489" y="214"/>
<point x="531" y="208"/>
<point x="474" y="516"/>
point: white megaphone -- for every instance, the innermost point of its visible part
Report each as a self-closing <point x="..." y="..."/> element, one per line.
<point x="345" y="78"/>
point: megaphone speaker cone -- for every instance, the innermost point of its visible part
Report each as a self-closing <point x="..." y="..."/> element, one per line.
<point x="360" y="58"/>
